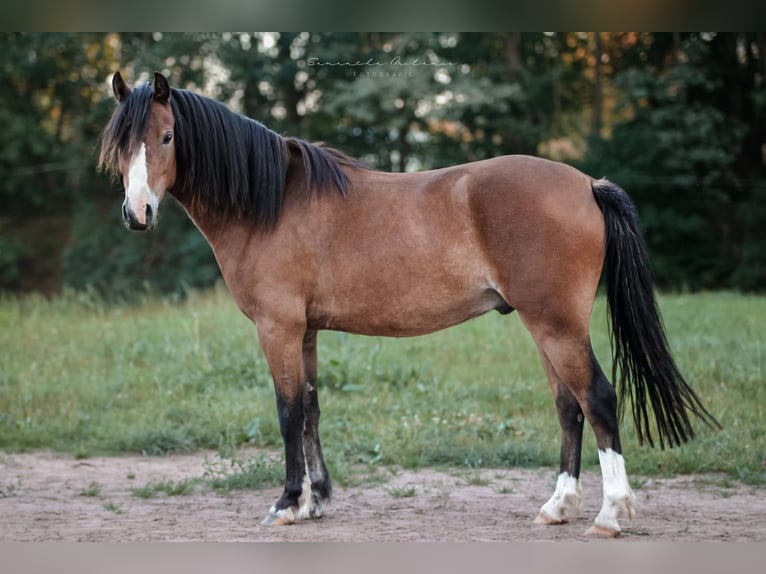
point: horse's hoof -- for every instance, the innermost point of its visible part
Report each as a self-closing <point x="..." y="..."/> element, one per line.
<point x="602" y="532"/>
<point x="548" y="521"/>
<point x="279" y="518"/>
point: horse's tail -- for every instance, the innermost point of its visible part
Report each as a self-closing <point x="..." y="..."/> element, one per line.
<point x="648" y="374"/>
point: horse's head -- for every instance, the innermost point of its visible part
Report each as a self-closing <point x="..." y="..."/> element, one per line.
<point x="139" y="143"/>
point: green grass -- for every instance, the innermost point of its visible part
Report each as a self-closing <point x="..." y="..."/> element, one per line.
<point x="229" y="471"/>
<point x="93" y="489"/>
<point x="113" y="507"/>
<point x="8" y="489"/>
<point x="85" y="377"/>
<point x="475" y="479"/>
<point x="402" y="492"/>
<point x="167" y="487"/>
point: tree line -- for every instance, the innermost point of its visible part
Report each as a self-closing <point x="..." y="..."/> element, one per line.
<point x="677" y="119"/>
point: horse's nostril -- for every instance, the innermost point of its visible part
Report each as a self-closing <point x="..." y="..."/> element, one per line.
<point x="125" y="213"/>
<point x="148" y="214"/>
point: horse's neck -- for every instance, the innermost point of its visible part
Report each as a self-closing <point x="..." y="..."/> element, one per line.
<point x="223" y="236"/>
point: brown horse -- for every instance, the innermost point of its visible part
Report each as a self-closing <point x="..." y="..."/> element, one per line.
<point x="309" y="239"/>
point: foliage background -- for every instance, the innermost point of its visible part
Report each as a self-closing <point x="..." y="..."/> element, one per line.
<point x="677" y="119"/>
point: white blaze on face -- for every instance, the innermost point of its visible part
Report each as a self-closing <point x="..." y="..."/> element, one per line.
<point x="618" y="496"/>
<point x="138" y="194"/>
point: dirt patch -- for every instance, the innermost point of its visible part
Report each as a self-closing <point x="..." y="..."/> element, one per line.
<point x="45" y="496"/>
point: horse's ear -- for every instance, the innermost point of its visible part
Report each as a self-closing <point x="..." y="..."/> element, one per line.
<point x="161" y="89"/>
<point x="119" y="87"/>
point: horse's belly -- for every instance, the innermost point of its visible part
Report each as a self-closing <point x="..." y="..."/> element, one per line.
<point x="409" y="316"/>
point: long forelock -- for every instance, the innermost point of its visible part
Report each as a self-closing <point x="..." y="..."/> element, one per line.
<point x="126" y="129"/>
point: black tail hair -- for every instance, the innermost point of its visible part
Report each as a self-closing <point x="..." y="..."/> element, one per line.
<point x="648" y="374"/>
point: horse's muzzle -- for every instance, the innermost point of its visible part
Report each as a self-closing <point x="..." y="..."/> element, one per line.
<point x="132" y="221"/>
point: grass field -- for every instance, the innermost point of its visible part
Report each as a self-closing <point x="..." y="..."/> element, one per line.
<point x="83" y="376"/>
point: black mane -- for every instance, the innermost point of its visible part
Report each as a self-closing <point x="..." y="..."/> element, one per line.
<point x="228" y="164"/>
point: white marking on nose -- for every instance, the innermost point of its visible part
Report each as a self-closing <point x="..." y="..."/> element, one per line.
<point x="138" y="175"/>
<point x="139" y="194"/>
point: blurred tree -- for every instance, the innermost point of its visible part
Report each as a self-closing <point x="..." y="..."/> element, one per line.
<point x="51" y="115"/>
<point x="682" y="152"/>
<point x="52" y="111"/>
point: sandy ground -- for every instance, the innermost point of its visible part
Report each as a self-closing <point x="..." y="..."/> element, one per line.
<point x="41" y="498"/>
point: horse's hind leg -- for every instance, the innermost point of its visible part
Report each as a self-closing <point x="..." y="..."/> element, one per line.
<point x="566" y="503"/>
<point x="570" y="360"/>
<point x="618" y="500"/>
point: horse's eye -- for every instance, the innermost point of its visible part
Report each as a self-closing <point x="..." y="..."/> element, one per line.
<point x="168" y="137"/>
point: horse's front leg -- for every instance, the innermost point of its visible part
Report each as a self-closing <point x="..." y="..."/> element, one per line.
<point x="321" y="487"/>
<point x="283" y="347"/>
